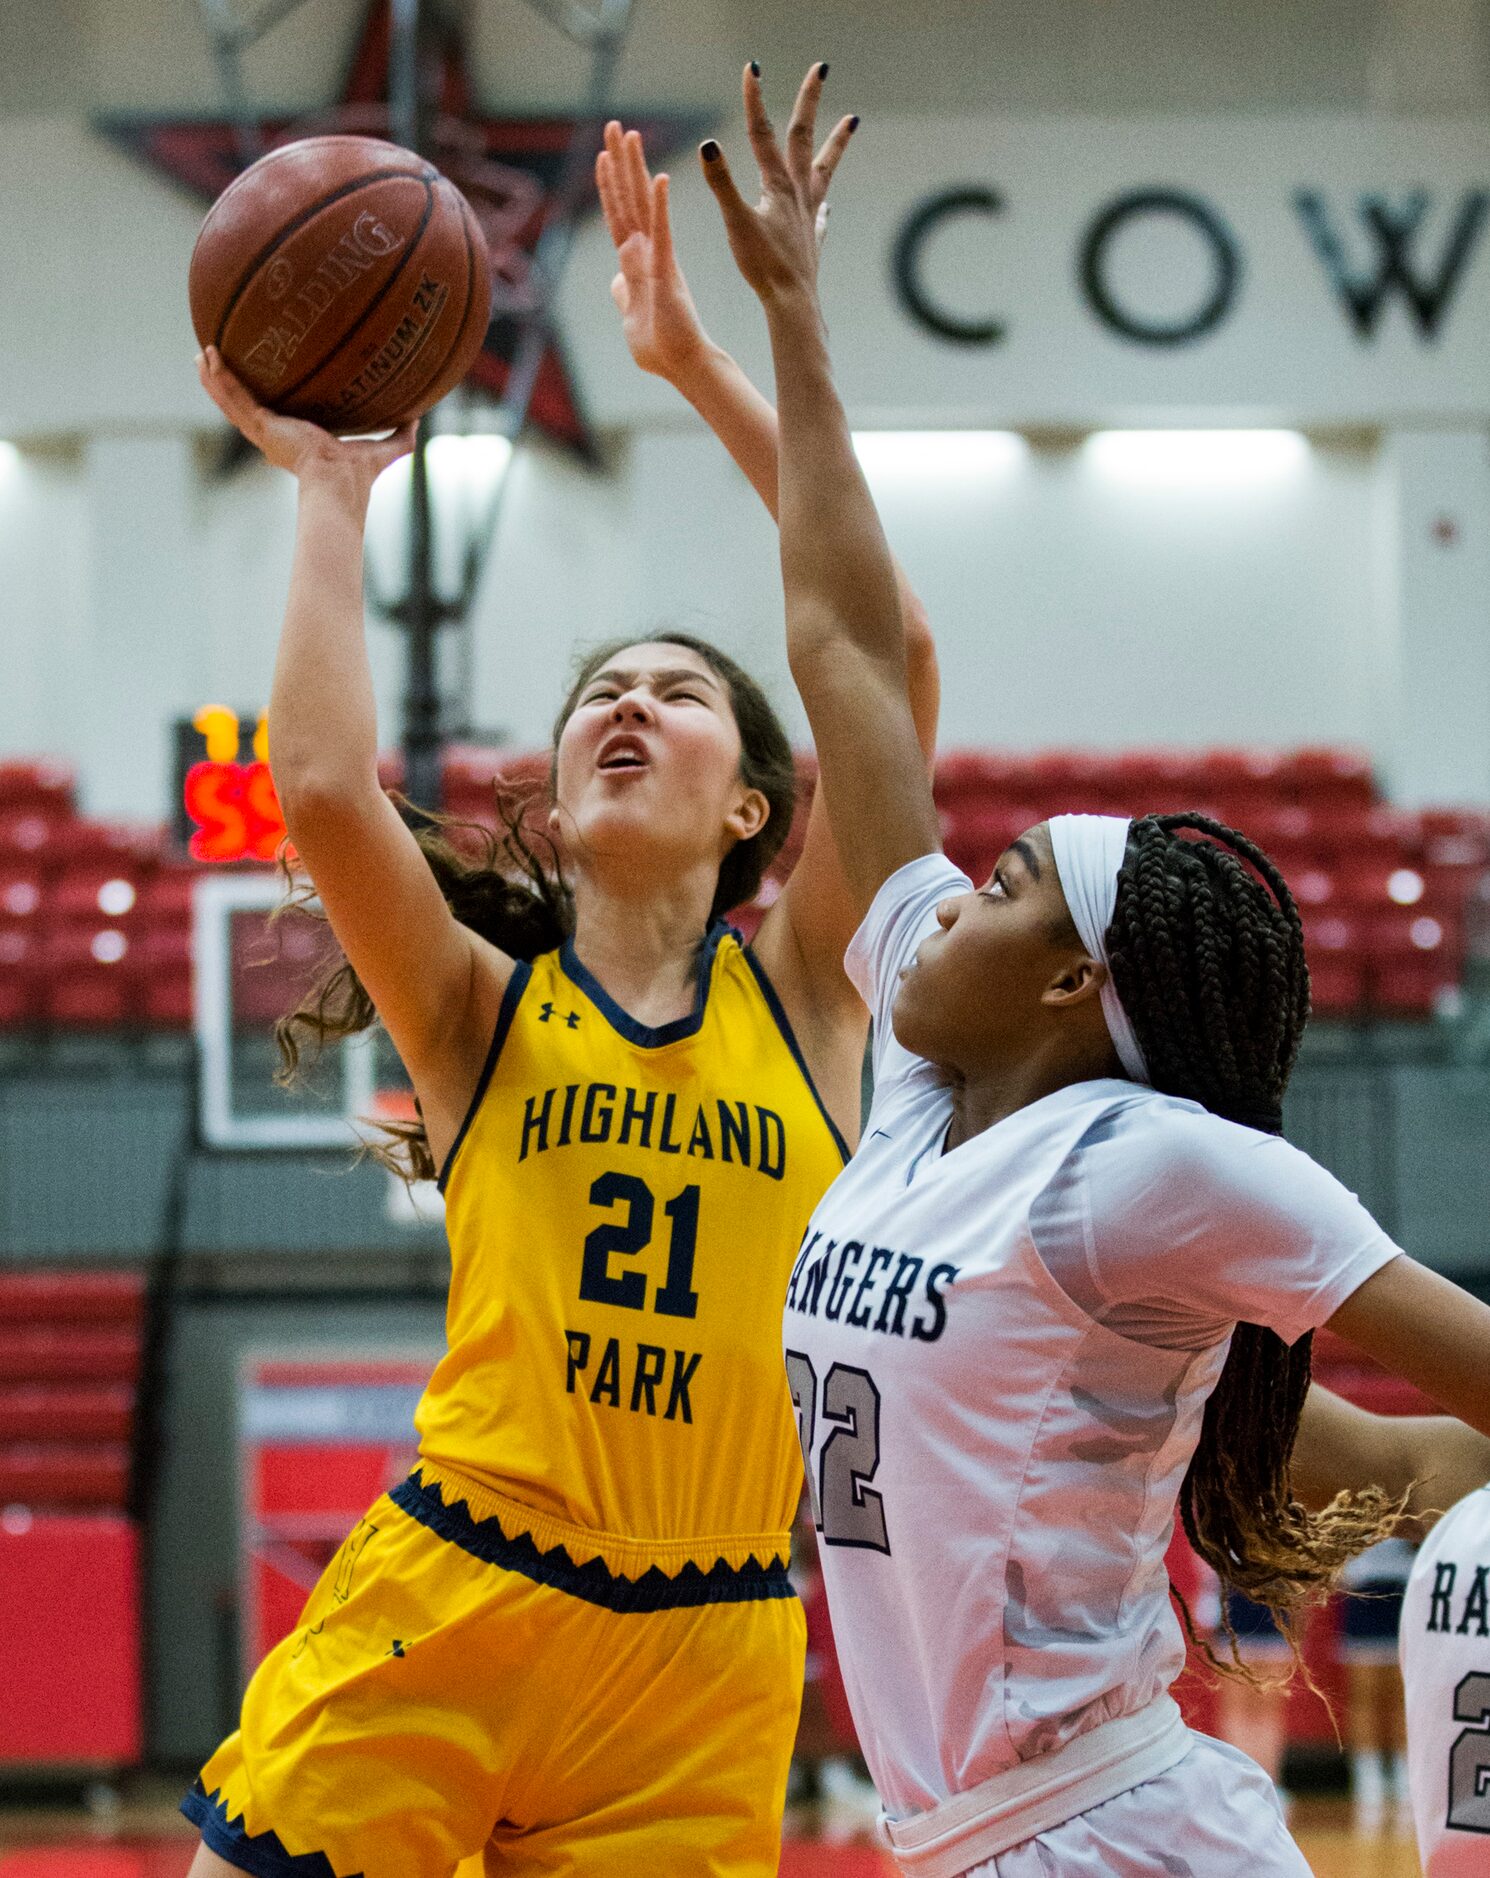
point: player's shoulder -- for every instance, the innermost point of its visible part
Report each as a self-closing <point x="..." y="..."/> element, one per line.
<point x="1150" y="1142"/>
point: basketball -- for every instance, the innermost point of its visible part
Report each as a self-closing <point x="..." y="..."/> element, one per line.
<point x="344" y="280"/>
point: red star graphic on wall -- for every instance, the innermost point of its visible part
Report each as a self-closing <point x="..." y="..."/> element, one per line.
<point x="506" y="167"/>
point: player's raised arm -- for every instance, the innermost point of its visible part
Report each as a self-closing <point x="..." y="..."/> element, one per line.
<point x="666" y="337"/>
<point x="423" y="970"/>
<point x="844" y="632"/>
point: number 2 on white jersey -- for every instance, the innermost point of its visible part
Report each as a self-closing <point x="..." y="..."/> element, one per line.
<point x="1469" y="1758"/>
<point x="845" y="1509"/>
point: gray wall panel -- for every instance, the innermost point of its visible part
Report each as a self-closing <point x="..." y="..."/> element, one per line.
<point x="194" y="1685"/>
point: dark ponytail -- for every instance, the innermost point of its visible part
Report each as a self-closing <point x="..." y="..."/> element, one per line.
<point x="506" y="884"/>
<point x="1207" y="954"/>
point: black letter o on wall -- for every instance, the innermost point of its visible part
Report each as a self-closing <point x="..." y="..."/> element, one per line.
<point x="1226" y="260"/>
<point x="905" y="263"/>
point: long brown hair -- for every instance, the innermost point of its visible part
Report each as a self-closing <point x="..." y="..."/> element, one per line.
<point x="507" y="883"/>
<point x="1207" y="954"/>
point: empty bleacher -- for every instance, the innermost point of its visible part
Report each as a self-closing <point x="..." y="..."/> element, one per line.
<point x="95" y="918"/>
<point x="71" y="1347"/>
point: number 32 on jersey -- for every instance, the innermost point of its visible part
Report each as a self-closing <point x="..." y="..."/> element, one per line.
<point x="846" y="1509"/>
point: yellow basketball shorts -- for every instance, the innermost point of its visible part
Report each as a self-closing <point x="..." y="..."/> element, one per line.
<point x="553" y="1702"/>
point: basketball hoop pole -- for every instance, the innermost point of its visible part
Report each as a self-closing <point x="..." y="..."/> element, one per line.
<point x="420" y="612"/>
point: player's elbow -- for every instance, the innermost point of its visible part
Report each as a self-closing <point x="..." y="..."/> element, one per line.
<point x="319" y="796"/>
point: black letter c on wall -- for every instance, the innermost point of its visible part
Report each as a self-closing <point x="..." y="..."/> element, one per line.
<point x="906" y="256"/>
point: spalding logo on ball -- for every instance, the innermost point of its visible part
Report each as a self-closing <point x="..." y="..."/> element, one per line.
<point x="344" y="280"/>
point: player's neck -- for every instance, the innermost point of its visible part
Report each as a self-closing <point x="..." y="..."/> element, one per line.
<point x="982" y="1098"/>
<point x="644" y="947"/>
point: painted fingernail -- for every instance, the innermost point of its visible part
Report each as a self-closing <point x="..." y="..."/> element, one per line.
<point x="755" y="68"/>
<point x="822" y="70"/>
<point x="853" y="122"/>
<point x="709" y="151"/>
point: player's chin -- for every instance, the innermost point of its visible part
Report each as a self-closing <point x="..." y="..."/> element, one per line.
<point x="917" y="1016"/>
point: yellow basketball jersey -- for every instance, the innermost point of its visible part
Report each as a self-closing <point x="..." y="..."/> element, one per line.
<point x="624" y="1204"/>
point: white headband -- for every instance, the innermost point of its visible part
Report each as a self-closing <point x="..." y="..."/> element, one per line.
<point x="1089" y="851"/>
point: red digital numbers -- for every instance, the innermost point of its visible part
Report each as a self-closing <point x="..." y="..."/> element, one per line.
<point x="236" y="812"/>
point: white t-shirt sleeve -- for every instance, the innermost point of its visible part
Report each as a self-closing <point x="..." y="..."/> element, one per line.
<point x="1194" y="1224"/>
<point x="903" y="913"/>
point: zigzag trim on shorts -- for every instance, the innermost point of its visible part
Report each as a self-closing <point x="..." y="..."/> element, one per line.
<point x="261" y="1854"/>
<point x="594" y="1581"/>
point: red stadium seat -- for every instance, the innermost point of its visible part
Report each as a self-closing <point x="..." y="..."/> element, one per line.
<point x="1329" y="774"/>
<point x="123" y="846"/>
<point x="88" y="985"/>
<point x="979" y="773"/>
<point x="1337" y="984"/>
<point x="97" y="892"/>
<point x="22" y="890"/>
<point x="1337" y="967"/>
<point x="166" y="895"/>
<point x="67" y="1352"/>
<point x="41" y="785"/>
<point x="27" y="835"/>
<point x="46" y="1297"/>
<point x="1414" y="961"/>
<point x="64" y="1474"/>
<point x="161" y="963"/>
<point x="65" y="1412"/>
<point x="20" y="976"/>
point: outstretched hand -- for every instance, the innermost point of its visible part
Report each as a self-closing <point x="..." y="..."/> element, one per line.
<point x="658" y="318"/>
<point x="290" y="443"/>
<point x="776" y="243"/>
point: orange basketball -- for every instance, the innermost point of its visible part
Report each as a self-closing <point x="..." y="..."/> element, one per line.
<point x="343" y="280"/>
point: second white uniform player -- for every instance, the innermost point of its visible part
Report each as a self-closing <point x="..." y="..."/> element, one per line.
<point x="1445" y="1653"/>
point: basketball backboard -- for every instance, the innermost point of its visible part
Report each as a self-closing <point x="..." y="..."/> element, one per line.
<point x="249" y="972"/>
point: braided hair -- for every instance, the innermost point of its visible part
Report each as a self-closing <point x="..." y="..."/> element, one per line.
<point x="1207" y="955"/>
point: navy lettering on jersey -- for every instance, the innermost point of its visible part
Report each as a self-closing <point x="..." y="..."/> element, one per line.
<point x="897" y="1294"/>
<point x="927" y="1331"/>
<point x="1459" y="1602"/>
<point x="1476" y="1619"/>
<point x="631" y="1375"/>
<point x="743" y="1134"/>
<point x="879" y="1258"/>
<point x="853" y="1251"/>
<point x="1440" y="1605"/>
<point x="890" y="1305"/>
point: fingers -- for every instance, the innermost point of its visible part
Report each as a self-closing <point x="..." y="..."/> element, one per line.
<point x="803" y="124"/>
<point x="231" y="397"/>
<point x="828" y="157"/>
<point x="663" y="260"/>
<point x="638" y="182"/>
<point x="732" y="205"/>
<point x="606" y="189"/>
<point x="399" y="444"/>
<point x="763" y="142"/>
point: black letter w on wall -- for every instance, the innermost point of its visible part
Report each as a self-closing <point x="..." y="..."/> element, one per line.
<point x="1393" y="228"/>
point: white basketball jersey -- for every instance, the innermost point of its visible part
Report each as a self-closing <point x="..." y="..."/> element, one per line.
<point x="994" y="1472"/>
<point x="1445" y="1649"/>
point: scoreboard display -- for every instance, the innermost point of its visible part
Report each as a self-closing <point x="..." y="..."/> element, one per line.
<point x="226" y="807"/>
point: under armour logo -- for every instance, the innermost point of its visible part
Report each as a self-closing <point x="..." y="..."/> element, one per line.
<point x="546" y="1011"/>
<point x="398" y="1647"/>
